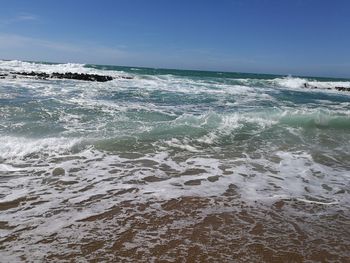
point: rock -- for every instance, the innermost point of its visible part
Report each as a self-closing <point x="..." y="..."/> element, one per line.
<point x="306" y="85"/>
<point x="342" y="88"/>
<point x="213" y="178"/>
<point x="58" y="171"/>
<point x="66" y="75"/>
<point x="81" y="76"/>
<point x="194" y="182"/>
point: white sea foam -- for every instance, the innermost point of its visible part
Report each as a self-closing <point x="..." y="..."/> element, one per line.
<point x="289" y="177"/>
<point x="16" y="65"/>
<point x="290" y="82"/>
<point x="22" y="66"/>
<point x="95" y="182"/>
<point x="17" y="148"/>
<point x="299" y="83"/>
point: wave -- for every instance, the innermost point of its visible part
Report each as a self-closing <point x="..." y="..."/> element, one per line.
<point x="307" y="118"/>
<point x="49" y="68"/>
<point x="195" y="133"/>
<point x="16" y="65"/>
<point x="20" y="148"/>
<point x="303" y="83"/>
<point x="315" y="119"/>
<point x="208" y="128"/>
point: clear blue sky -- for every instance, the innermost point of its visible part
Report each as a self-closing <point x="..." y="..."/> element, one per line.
<point x="308" y="37"/>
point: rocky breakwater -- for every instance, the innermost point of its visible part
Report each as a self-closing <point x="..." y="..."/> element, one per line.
<point x="67" y="75"/>
<point x="343" y="88"/>
<point x="307" y="85"/>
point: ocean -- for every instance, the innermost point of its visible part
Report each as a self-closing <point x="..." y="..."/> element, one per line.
<point x="161" y="165"/>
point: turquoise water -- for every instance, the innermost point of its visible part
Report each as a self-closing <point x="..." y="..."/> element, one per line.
<point x="266" y="134"/>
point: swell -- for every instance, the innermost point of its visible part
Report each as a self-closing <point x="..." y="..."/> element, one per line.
<point x="206" y="129"/>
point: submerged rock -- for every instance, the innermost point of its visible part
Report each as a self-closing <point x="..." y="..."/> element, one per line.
<point x="58" y="171"/>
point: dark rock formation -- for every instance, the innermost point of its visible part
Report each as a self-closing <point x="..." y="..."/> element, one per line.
<point x="81" y="76"/>
<point x="67" y="75"/>
<point x="342" y="88"/>
<point x="307" y="85"/>
<point x="58" y="171"/>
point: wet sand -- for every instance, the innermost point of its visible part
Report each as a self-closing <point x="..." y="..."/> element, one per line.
<point x="193" y="229"/>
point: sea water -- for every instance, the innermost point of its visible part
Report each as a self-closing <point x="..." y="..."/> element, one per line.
<point x="78" y="159"/>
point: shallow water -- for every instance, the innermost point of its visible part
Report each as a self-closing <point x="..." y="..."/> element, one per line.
<point x="185" y="165"/>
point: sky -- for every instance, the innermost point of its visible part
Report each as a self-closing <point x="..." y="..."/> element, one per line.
<point x="297" y="37"/>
